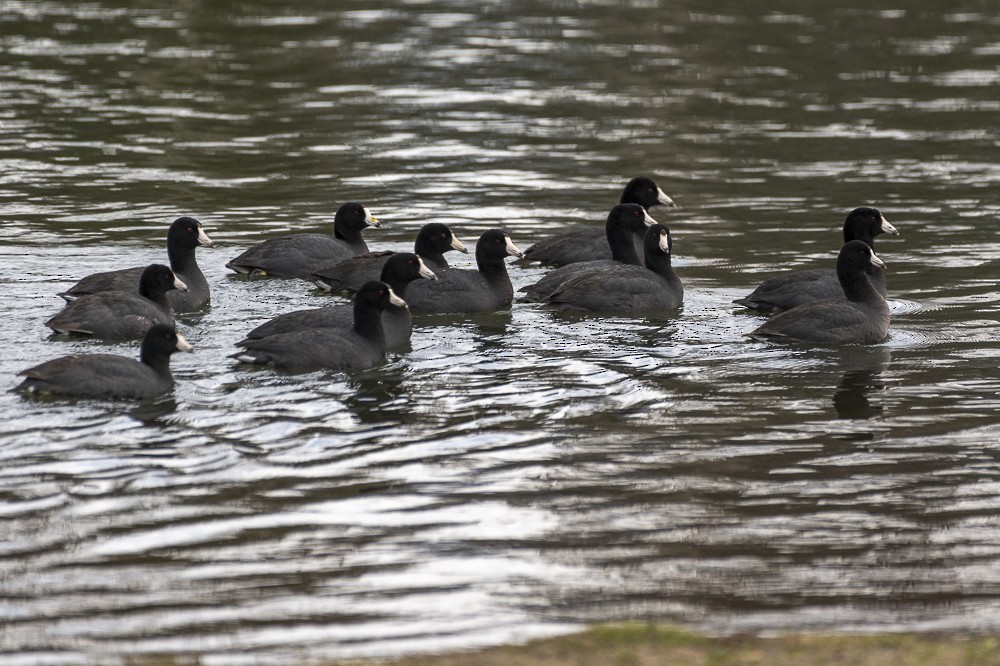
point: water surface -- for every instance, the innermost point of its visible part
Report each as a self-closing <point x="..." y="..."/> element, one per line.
<point x="520" y="473"/>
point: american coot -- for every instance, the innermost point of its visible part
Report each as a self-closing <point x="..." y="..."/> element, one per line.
<point x="397" y="323"/>
<point x="119" y="315"/>
<point x="433" y="240"/>
<point x="361" y="346"/>
<point x="459" y="290"/>
<point x="184" y="236"/>
<point x="624" y="221"/>
<point x="298" y="255"/>
<point x="590" y="244"/>
<point x="797" y="287"/>
<point x="109" y="375"/>
<point x="624" y="287"/>
<point x="860" y="316"/>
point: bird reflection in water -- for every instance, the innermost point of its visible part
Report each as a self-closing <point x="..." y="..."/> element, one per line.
<point x="857" y="395"/>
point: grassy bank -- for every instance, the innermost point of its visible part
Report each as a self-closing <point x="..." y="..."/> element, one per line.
<point x="653" y="645"/>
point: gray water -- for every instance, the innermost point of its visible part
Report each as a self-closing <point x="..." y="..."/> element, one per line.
<point x="521" y="473"/>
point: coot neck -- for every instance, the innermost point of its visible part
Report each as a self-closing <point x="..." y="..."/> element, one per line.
<point x="346" y="232"/>
<point x="493" y="268"/>
<point x="622" y="245"/>
<point x="629" y="196"/>
<point x="857" y="286"/>
<point x="659" y="263"/>
<point x="875" y="273"/>
<point x="155" y="294"/>
<point x="426" y="249"/>
<point x="432" y="257"/>
<point x="397" y="284"/>
<point x="866" y="238"/>
<point x="182" y="260"/>
<point x="368" y="322"/>
<point x="157" y="360"/>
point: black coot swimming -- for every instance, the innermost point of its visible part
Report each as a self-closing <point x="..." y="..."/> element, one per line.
<point x="589" y="243"/>
<point x="625" y="288"/>
<point x="433" y="241"/>
<point x="120" y="315"/>
<point x="860" y="316"/>
<point x="185" y="235"/>
<point x="298" y="255"/>
<point x="397" y="323"/>
<point x="624" y="221"/>
<point x="461" y="290"/>
<point x="797" y="287"/>
<point x="109" y="375"/>
<point x="361" y="346"/>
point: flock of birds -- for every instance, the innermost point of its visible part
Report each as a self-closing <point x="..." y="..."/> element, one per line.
<point x="624" y="268"/>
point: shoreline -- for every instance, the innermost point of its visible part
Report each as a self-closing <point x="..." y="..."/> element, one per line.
<point x="640" y="644"/>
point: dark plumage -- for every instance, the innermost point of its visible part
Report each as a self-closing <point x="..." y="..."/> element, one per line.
<point x="459" y="290"/>
<point x="109" y="375"/>
<point x="298" y="255"/>
<point x="433" y="240"/>
<point x="397" y="323"/>
<point x="184" y="236"/>
<point x="361" y="346"/>
<point x="861" y="316"/>
<point x="119" y="315"/>
<point x="797" y="287"/>
<point x="624" y="287"/>
<point x="624" y="221"/>
<point x="590" y="244"/>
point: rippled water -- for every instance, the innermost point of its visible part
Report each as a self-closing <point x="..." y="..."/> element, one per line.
<point x="512" y="474"/>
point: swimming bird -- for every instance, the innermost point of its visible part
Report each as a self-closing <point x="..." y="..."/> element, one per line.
<point x="626" y="288"/>
<point x="788" y="290"/>
<point x="459" y="290"/>
<point x="298" y="255"/>
<point x="860" y="316"/>
<point x="109" y="375"/>
<point x="399" y="271"/>
<point x="184" y="236"/>
<point x="433" y="241"/>
<point x="589" y="243"/>
<point x="361" y="346"/>
<point x="624" y="221"/>
<point x="120" y="315"/>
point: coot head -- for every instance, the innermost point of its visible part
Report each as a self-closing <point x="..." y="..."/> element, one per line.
<point x="159" y="279"/>
<point x="436" y="237"/>
<point x="865" y="224"/>
<point x="160" y="342"/>
<point x="351" y="218"/>
<point x="645" y="192"/>
<point x="496" y="244"/>
<point x="632" y="217"/>
<point x="188" y="232"/>
<point x="405" y="267"/>
<point x="657" y="240"/>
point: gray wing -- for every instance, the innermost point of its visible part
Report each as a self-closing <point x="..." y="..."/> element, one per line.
<point x="789" y="290"/>
<point x="292" y="256"/>
<point x="96" y="375"/>
<point x="826" y="322"/>
<point x="584" y="244"/>
<point x="619" y="288"/>
<point x="126" y="280"/>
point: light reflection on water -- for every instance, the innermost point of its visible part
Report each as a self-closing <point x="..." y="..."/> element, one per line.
<point x="511" y="474"/>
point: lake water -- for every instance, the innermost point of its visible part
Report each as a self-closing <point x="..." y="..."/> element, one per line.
<point x="521" y="473"/>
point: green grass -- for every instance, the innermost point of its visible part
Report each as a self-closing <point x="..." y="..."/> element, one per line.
<point x="658" y="645"/>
